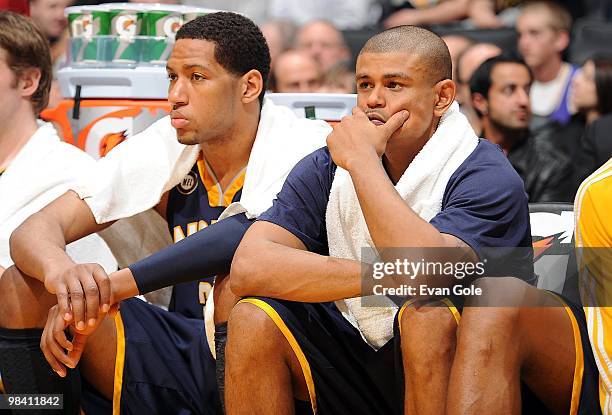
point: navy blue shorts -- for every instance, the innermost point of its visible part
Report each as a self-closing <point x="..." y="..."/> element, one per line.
<point x="344" y="375"/>
<point x="585" y="399"/>
<point x="163" y="365"/>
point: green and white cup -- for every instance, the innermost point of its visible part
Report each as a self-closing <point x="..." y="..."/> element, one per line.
<point x="126" y="24"/>
<point x="89" y="28"/>
<point x="161" y="26"/>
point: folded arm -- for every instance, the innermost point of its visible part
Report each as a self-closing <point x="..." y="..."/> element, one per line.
<point x="272" y="262"/>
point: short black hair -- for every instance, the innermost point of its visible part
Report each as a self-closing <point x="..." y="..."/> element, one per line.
<point x="418" y="41"/>
<point x="239" y="44"/>
<point x="603" y="83"/>
<point x="480" y="82"/>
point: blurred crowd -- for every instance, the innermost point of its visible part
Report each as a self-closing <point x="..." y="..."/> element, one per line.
<point x="530" y="77"/>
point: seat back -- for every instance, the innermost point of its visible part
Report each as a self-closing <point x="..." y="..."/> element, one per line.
<point x="590" y="38"/>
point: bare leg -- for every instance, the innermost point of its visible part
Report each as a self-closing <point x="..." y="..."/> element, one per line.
<point x="25" y="303"/>
<point x="497" y="347"/>
<point x="98" y="360"/>
<point x="263" y="374"/>
<point x="224" y="298"/>
<point x="428" y="336"/>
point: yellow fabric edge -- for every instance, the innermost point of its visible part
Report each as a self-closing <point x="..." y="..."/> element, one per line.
<point x="210" y="183"/>
<point x="276" y="318"/>
<point x="119" y="364"/>
<point x="448" y="303"/>
<point x="579" y="365"/>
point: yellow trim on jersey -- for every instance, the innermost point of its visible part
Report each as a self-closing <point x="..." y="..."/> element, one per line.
<point x="593" y="229"/>
<point x="210" y="183"/>
<point x="579" y="365"/>
<point x="217" y="197"/>
<point x="119" y="364"/>
<point x="448" y="303"/>
<point x="452" y="309"/>
<point x="276" y="318"/>
<point x="235" y="185"/>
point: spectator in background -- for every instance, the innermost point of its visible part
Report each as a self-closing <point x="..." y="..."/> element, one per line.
<point x="456" y="44"/>
<point x="500" y="95"/>
<point x="324" y="42"/>
<point x="48" y="16"/>
<point x="340" y="79"/>
<point x="592" y="88"/>
<point x="592" y="97"/>
<point x="467" y="62"/>
<point x="544" y="33"/>
<point x="493" y="14"/>
<point x="343" y="14"/>
<point x="256" y="10"/>
<point x="426" y="12"/>
<point x="296" y="71"/>
<point x="595" y="146"/>
<point x="280" y="35"/>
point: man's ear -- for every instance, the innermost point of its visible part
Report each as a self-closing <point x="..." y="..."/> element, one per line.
<point x="252" y="86"/>
<point x="445" y="95"/>
<point x="562" y="41"/>
<point x="28" y="81"/>
<point x="480" y="103"/>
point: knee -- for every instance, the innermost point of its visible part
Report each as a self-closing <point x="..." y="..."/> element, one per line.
<point x="19" y="297"/>
<point x="422" y="327"/>
<point x="224" y="299"/>
<point x="13" y="285"/>
<point x="482" y="329"/>
<point x="249" y="328"/>
<point x="11" y="277"/>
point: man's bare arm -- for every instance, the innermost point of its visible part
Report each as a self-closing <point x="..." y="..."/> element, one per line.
<point x="38" y="245"/>
<point x="393" y="223"/>
<point x="272" y="262"/>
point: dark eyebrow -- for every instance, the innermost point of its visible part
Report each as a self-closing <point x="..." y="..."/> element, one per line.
<point x="193" y="65"/>
<point x="396" y="75"/>
<point x="385" y="76"/>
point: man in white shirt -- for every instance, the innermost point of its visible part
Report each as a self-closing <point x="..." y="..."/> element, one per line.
<point x="35" y="168"/>
<point x="544" y="33"/>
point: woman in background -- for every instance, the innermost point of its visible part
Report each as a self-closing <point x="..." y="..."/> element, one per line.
<point x="592" y="88"/>
<point x="592" y="97"/>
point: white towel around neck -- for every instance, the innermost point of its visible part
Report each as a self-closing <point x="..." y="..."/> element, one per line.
<point x="133" y="177"/>
<point x="422" y="186"/>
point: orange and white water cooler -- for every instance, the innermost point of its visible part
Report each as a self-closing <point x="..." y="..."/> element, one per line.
<point x="103" y="106"/>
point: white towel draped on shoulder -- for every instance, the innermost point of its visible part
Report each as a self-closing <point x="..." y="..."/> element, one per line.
<point x="133" y="177"/>
<point x="422" y="186"/>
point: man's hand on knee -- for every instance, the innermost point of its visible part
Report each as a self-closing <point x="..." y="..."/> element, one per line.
<point x="83" y="291"/>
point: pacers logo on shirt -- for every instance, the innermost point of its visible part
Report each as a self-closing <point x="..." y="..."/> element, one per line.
<point x="188" y="184"/>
